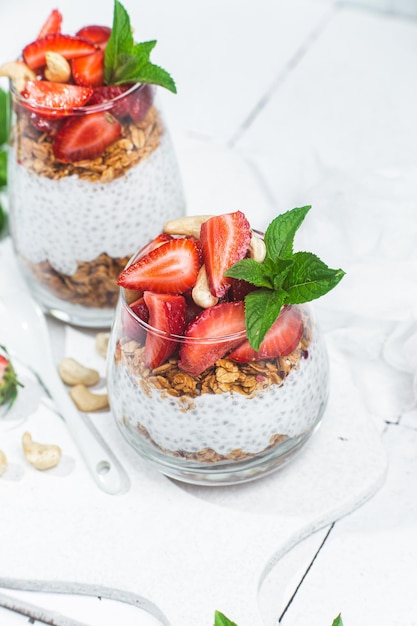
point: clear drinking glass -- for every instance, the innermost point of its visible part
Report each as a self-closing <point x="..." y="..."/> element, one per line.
<point x="75" y="225"/>
<point x="233" y="423"/>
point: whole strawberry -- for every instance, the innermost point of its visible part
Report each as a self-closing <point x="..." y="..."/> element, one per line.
<point x="9" y="382"/>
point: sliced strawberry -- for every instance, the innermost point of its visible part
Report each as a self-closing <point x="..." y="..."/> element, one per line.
<point x="89" y="70"/>
<point x="211" y="335"/>
<point x="239" y="289"/>
<point x="225" y="240"/>
<point x="67" y="46"/>
<point x="48" y="125"/>
<point x="281" y="339"/>
<point x="52" y="24"/>
<point x="140" y="102"/>
<point x="98" y="35"/>
<point x="166" y="314"/>
<point x="85" y="137"/>
<point x="60" y="98"/>
<point x="155" y="243"/>
<point x="170" y="268"/>
<point x="107" y="93"/>
<point x="140" y="309"/>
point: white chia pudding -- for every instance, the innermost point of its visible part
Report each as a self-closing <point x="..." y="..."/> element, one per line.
<point x="221" y="423"/>
<point x="75" y="225"/>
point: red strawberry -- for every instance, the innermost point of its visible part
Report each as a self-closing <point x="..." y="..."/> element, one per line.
<point x="210" y="336"/>
<point x="105" y="93"/>
<point x="65" y="45"/>
<point x="281" y="339"/>
<point x="8" y="381"/>
<point x="48" y="125"/>
<point x="52" y="24"/>
<point x="170" y="268"/>
<point x="140" y="309"/>
<point x="155" y="243"/>
<point x="59" y="97"/>
<point x="96" y="34"/>
<point x="225" y="240"/>
<point x="166" y="314"/>
<point x="85" y="136"/>
<point x="140" y="102"/>
<point x="239" y="289"/>
<point x="89" y="70"/>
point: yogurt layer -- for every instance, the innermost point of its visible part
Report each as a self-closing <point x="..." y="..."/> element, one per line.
<point x="226" y="421"/>
<point x="70" y="220"/>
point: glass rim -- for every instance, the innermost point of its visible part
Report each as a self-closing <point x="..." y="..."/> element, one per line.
<point x="86" y="108"/>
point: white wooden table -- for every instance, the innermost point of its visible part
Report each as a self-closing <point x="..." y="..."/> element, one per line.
<point x="316" y="102"/>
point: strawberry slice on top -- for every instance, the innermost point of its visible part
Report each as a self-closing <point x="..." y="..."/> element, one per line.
<point x="170" y="268"/>
<point x="85" y="137"/>
<point x="225" y="240"/>
<point x="211" y="336"/>
<point x="167" y="315"/>
<point x="67" y="46"/>
<point x="98" y="35"/>
<point x="52" y="24"/>
<point x="89" y="70"/>
<point x="281" y="339"/>
<point x="60" y="98"/>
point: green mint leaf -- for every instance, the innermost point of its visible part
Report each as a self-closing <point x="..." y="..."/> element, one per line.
<point x="2" y="219"/>
<point x="309" y="278"/>
<point x="128" y="62"/>
<point x="283" y="268"/>
<point x="120" y="41"/>
<point x="262" y="308"/>
<point x="222" y="620"/>
<point x="338" y="621"/>
<point x="279" y="236"/>
<point x="251" y="271"/>
<point x="3" y="169"/>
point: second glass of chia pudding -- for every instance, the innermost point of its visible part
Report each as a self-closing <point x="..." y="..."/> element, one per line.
<point x="92" y="167"/>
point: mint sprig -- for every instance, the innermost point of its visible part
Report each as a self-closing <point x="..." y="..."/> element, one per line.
<point x="128" y="62"/>
<point x="284" y="277"/>
<point x="222" y="620"/>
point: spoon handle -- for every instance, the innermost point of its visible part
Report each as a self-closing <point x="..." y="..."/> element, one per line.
<point x="103" y="465"/>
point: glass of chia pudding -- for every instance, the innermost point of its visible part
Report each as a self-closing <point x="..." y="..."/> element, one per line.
<point x="217" y="370"/>
<point x="92" y="169"/>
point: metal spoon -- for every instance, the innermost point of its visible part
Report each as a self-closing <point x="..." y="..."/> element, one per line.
<point x="26" y="334"/>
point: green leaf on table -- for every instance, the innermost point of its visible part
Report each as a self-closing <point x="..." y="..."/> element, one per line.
<point x="284" y="277"/>
<point x="3" y="168"/>
<point x="338" y="621"/>
<point x="222" y="620"/>
<point x="128" y="62"/>
<point x="4" y="116"/>
<point x="2" y="219"/>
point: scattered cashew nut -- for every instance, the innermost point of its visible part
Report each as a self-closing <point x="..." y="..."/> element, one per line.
<point x="73" y="373"/>
<point x="57" y="68"/>
<point x="102" y="343"/>
<point x="18" y="72"/>
<point x="3" y="463"/>
<point x="87" y="401"/>
<point x="40" y="455"/>
<point x="201" y="293"/>
<point x="257" y="249"/>
<point x="188" y="225"/>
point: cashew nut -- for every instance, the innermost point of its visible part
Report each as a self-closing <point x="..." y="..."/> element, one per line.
<point x="188" y="225"/>
<point x="18" y="72"/>
<point x="87" y="401"/>
<point x="102" y="343"/>
<point x="3" y="463"/>
<point x="57" y="68"/>
<point x="257" y="249"/>
<point x="132" y="294"/>
<point x="201" y="293"/>
<point x="40" y="455"/>
<point x="73" y="373"/>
